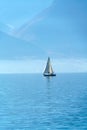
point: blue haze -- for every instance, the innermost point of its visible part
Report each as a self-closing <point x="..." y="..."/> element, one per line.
<point x="59" y="27"/>
<point x="17" y="12"/>
<point x="40" y="28"/>
<point x="34" y="102"/>
<point x="60" y="30"/>
<point x="12" y="48"/>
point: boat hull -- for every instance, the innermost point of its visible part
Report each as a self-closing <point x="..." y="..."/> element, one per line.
<point x="49" y="74"/>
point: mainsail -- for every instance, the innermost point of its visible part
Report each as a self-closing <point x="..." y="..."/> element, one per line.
<point x="48" y="68"/>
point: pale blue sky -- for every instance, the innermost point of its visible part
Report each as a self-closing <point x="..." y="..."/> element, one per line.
<point x="16" y="12"/>
<point x="55" y="28"/>
<point x="38" y="66"/>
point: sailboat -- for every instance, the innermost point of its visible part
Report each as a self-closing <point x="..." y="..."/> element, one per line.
<point x="48" y="70"/>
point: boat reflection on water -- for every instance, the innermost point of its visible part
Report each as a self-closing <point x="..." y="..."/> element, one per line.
<point x="49" y="102"/>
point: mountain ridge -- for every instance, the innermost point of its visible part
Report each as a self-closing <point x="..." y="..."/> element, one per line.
<point x="14" y="48"/>
<point x="61" y="28"/>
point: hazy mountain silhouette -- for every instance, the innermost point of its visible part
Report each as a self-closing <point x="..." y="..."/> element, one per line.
<point x="61" y="29"/>
<point x="17" y="12"/>
<point x="4" y="28"/>
<point x="14" y="48"/>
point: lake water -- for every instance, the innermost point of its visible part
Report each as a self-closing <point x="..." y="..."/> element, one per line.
<point x="35" y="102"/>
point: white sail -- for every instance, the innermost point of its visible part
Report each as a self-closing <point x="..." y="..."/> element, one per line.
<point x="48" y="68"/>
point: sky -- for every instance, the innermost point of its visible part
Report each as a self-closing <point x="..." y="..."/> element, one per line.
<point x="61" y="29"/>
<point x="15" y="13"/>
<point x="38" y="66"/>
<point x="57" y="26"/>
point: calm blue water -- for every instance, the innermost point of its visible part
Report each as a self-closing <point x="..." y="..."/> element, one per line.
<point x="34" y="102"/>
